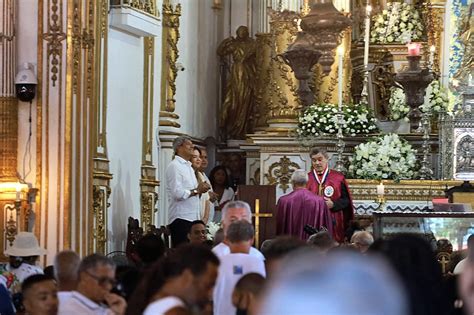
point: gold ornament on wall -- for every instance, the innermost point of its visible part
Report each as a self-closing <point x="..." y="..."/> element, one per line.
<point x="169" y="72"/>
<point x="100" y="204"/>
<point x="280" y="173"/>
<point x="284" y="105"/>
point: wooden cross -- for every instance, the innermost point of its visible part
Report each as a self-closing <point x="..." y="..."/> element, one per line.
<point x="259" y="215"/>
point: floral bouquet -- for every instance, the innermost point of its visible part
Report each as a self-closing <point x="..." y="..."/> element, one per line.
<point x="398" y="23"/>
<point x="385" y="157"/>
<point x="397" y="104"/>
<point x="322" y="120"/>
<point x="436" y="99"/>
<point x="212" y="228"/>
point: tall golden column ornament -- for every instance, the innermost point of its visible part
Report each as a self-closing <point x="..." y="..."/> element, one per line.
<point x="285" y="105"/>
<point x="169" y="72"/>
<point x="148" y="181"/>
<point x="263" y="93"/>
<point x="8" y="101"/>
<point x="435" y="29"/>
<point x="101" y="175"/>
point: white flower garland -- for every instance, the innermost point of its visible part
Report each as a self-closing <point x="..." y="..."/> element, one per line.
<point x="385" y="157"/>
<point x="399" y="23"/>
<point x="322" y="120"/>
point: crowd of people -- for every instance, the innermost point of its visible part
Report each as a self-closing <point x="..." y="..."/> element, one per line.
<point x="318" y="263"/>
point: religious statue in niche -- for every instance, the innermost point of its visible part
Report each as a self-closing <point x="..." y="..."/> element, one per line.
<point x="240" y="87"/>
<point x="465" y="75"/>
<point x="465" y="155"/>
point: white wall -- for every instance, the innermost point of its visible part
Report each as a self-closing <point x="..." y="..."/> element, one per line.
<point x="124" y="131"/>
<point x="202" y="29"/>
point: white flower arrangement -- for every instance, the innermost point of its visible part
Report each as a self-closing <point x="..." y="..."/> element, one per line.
<point x="385" y="157"/>
<point x="436" y="99"/>
<point x="398" y="23"/>
<point x="322" y="120"/>
<point x="397" y="104"/>
<point x="212" y="228"/>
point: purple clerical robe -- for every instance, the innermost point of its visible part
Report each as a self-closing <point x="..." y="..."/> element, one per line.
<point x="299" y="208"/>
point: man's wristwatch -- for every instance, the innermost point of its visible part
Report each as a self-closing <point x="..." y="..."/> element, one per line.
<point x="194" y="192"/>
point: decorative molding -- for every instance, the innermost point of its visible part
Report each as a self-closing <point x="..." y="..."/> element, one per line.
<point x="54" y="37"/>
<point x="148" y="182"/>
<point x="405" y="190"/>
<point x="169" y="72"/>
<point x="100" y="204"/>
<point x="144" y="6"/>
<point x="280" y="173"/>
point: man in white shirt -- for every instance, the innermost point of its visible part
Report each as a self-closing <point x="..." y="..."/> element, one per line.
<point x="93" y="296"/>
<point x="235" y="211"/>
<point x="235" y="265"/>
<point x="183" y="191"/>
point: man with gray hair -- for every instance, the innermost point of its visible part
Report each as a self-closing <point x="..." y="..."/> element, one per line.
<point x="66" y="265"/>
<point x="183" y="191"/>
<point x="235" y="265"/>
<point x="301" y="207"/>
<point x="234" y="211"/>
<point x="93" y="294"/>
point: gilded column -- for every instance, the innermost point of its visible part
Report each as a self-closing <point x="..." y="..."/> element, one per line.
<point x="169" y="72"/>
<point x="101" y="174"/>
<point x="284" y="106"/>
<point x="436" y="11"/>
<point x="148" y="181"/>
<point x="8" y="101"/>
<point x="263" y="94"/>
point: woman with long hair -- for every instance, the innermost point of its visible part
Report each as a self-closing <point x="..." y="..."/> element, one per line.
<point x="221" y="186"/>
<point x="206" y="213"/>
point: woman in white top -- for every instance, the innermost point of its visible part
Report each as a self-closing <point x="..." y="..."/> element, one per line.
<point x="221" y="186"/>
<point x="204" y="203"/>
<point x="177" y="283"/>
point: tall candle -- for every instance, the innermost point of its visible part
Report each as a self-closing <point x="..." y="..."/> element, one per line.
<point x="432" y="51"/>
<point x="340" y="52"/>
<point x="18" y="192"/>
<point x="367" y="37"/>
<point x="413" y="49"/>
<point x="380" y="189"/>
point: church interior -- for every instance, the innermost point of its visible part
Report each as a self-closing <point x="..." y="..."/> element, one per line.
<point x="94" y="94"/>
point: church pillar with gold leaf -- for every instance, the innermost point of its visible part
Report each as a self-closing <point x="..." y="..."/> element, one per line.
<point x="148" y="181"/>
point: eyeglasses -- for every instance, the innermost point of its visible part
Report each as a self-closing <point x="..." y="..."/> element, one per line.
<point x="103" y="280"/>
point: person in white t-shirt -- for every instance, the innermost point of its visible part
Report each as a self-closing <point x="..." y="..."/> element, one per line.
<point x="235" y="265"/>
<point x="235" y="211"/>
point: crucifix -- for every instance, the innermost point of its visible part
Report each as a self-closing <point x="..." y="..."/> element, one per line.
<point x="257" y="216"/>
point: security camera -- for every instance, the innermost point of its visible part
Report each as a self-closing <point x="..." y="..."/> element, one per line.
<point x="179" y="66"/>
<point x="25" y="83"/>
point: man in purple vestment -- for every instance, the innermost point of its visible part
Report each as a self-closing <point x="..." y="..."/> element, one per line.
<point x="301" y="207"/>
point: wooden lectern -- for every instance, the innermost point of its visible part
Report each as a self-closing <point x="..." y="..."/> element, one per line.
<point x="262" y="200"/>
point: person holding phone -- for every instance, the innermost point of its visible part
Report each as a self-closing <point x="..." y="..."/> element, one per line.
<point x="93" y="295"/>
